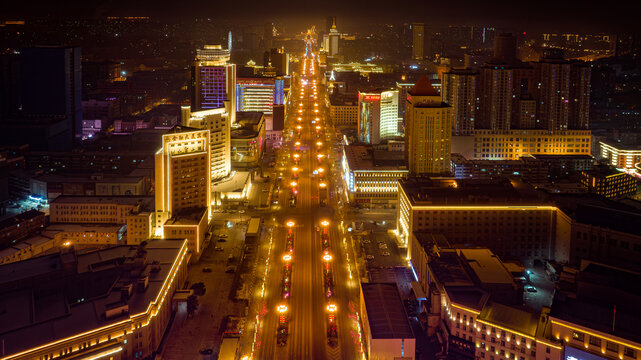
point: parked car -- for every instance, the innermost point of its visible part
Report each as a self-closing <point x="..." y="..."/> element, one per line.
<point x="531" y="289"/>
<point x="206" y="270"/>
<point x="370" y="257"/>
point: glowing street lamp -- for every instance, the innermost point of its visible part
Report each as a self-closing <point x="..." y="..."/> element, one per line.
<point x="332" y="308"/>
<point x="327" y="257"/>
<point x="319" y="156"/>
<point x="282" y="308"/>
<point x="318" y="127"/>
<point x="287" y="257"/>
<point x="298" y="127"/>
<point x="293" y="184"/>
<point x="319" y="143"/>
<point x="291" y="223"/>
<point x="320" y="170"/>
<point x="322" y="185"/>
<point x="325" y="223"/>
<point x="297" y="143"/>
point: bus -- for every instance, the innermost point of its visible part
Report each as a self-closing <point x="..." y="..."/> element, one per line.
<point x="253" y="229"/>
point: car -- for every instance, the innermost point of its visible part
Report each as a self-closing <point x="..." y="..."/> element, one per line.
<point x="206" y="270"/>
<point x="223" y="235"/>
<point x="221" y="240"/>
<point x="385" y="253"/>
<point x="531" y="289"/>
<point x="230" y="269"/>
<point x="369" y="257"/>
<point x="366" y="241"/>
<point x="218" y="248"/>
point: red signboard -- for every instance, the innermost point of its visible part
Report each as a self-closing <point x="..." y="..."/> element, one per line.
<point x="371" y="97"/>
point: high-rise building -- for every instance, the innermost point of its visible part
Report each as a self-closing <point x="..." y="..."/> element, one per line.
<point x="495" y="97"/>
<point x="278" y="59"/>
<point x="41" y="102"/>
<point x="216" y="121"/>
<point x="580" y="75"/>
<point x="504" y="48"/>
<point x="377" y="116"/>
<point x="182" y="173"/>
<point x="418" y="41"/>
<point x="459" y="91"/>
<point x="428" y="130"/>
<point x="333" y="38"/>
<point x="564" y="94"/>
<point x="213" y="80"/>
<point x="329" y="22"/>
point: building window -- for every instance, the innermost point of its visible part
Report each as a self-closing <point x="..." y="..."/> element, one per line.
<point x="612" y="346"/>
<point x="595" y="341"/>
<point x="629" y="352"/>
<point x="577" y="336"/>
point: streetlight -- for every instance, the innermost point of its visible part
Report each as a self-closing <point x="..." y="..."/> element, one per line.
<point x="331" y="308"/>
<point x="293" y="183"/>
<point x="282" y="308"/>
<point x="327" y="257"/>
<point x="290" y="223"/>
<point x="322" y="185"/>
<point x="287" y="257"/>
<point x="325" y="222"/>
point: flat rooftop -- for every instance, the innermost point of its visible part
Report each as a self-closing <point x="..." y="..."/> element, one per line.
<point x="60" y="295"/>
<point x="248" y="117"/>
<point x="365" y="158"/>
<point x="119" y="200"/>
<point x="236" y="183"/>
<point x="511" y="317"/>
<point x="190" y="216"/>
<point x="22" y="217"/>
<point x="449" y="270"/>
<point x="385" y="312"/>
<point x="487" y="267"/>
<point x="457" y="192"/>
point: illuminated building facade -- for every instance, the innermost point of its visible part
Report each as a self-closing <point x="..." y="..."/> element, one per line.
<point x="620" y="156"/>
<point x="369" y="117"/>
<point x="260" y="94"/>
<point x="248" y="139"/>
<point x="118" y="306"/>
<point x="512" y="144"/>
<point x="136" y="212"/>
<point x="459" y="91"/>
<point x="182" y="173"/>
<point x="370" y="175"/>
<point x="343" y="112"/>
<point x="428" y="130"/>
<point x="482" y="212"/>
<point x="218" y="122"/>
<point x="213" y="80"/>
<point x="609" y="182"/>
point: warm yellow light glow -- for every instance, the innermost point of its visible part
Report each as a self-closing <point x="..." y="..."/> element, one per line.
<point x="318" y="127"/>
<point x="296" y="169"/>
<point x="322" y="185"/>
<point x="320" y="143"/>
<point x="320" y="170"/>
<point x="327" y="257"/>
<point x="282" y="308"/>
<point x="293" y="183"/>
<point x="331" y="308"/>
<point x="291" y="223"/>
<point x="297" y="143"/>
<point x="299" y="127"/>
<point x="296" y="156"/>
<point x="325" y="222"/>
<point x="287" y="257"/>
<point x="320" y="156"/>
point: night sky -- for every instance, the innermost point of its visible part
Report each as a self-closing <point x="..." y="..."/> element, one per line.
<point x="547" y="15"/>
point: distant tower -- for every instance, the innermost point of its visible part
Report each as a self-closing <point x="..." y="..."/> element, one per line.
<point x="418" y="41"/>
<point x="459" y="91"/>
<point x="428" y="130"/>
<point x="213" y="80"/>
<point x="504" y="48"/>
<point x="334" y="35"/>
<point x="229" y="43"/>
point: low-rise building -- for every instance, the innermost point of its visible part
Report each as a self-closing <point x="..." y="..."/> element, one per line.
<point x="21" y="226"/>
<point x="609" y="182"/>
<point x="620" y="156"/>
<point x="509" y="220"/>
<point x="343" y="111"/>
<point x="370" y="176"/>
<point x="190" y="224"/>
<point x="513" y="144"/>
<point x="386" y="330"/>
<point x="114" y="303"/>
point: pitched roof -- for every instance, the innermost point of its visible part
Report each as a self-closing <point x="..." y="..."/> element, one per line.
<point x="423" y="87"/>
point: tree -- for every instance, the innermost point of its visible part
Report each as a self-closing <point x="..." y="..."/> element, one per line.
<point x="199" y="288"/>
<point x="192" y="304"/>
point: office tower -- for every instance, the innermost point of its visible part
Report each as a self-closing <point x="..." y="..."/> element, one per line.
<point x="378" y="116"/>
<point x="554" y="93"/>
<point x="260" y="94"/>
<point x="580" y="75"/>
<point x="278" y="59"/>
<point x="213" y="80"/>
<point x="51" y="85"/>
<point x="504" y="48"/>
<point x="428" y="130"/>
<point x="182" y="172"/>
<point x="333" y="38"/>
<point x="418" y="41"/>
<point x="496" y="97"/>
<point x="216" y="121"/>
<point x="459" y="91"/>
